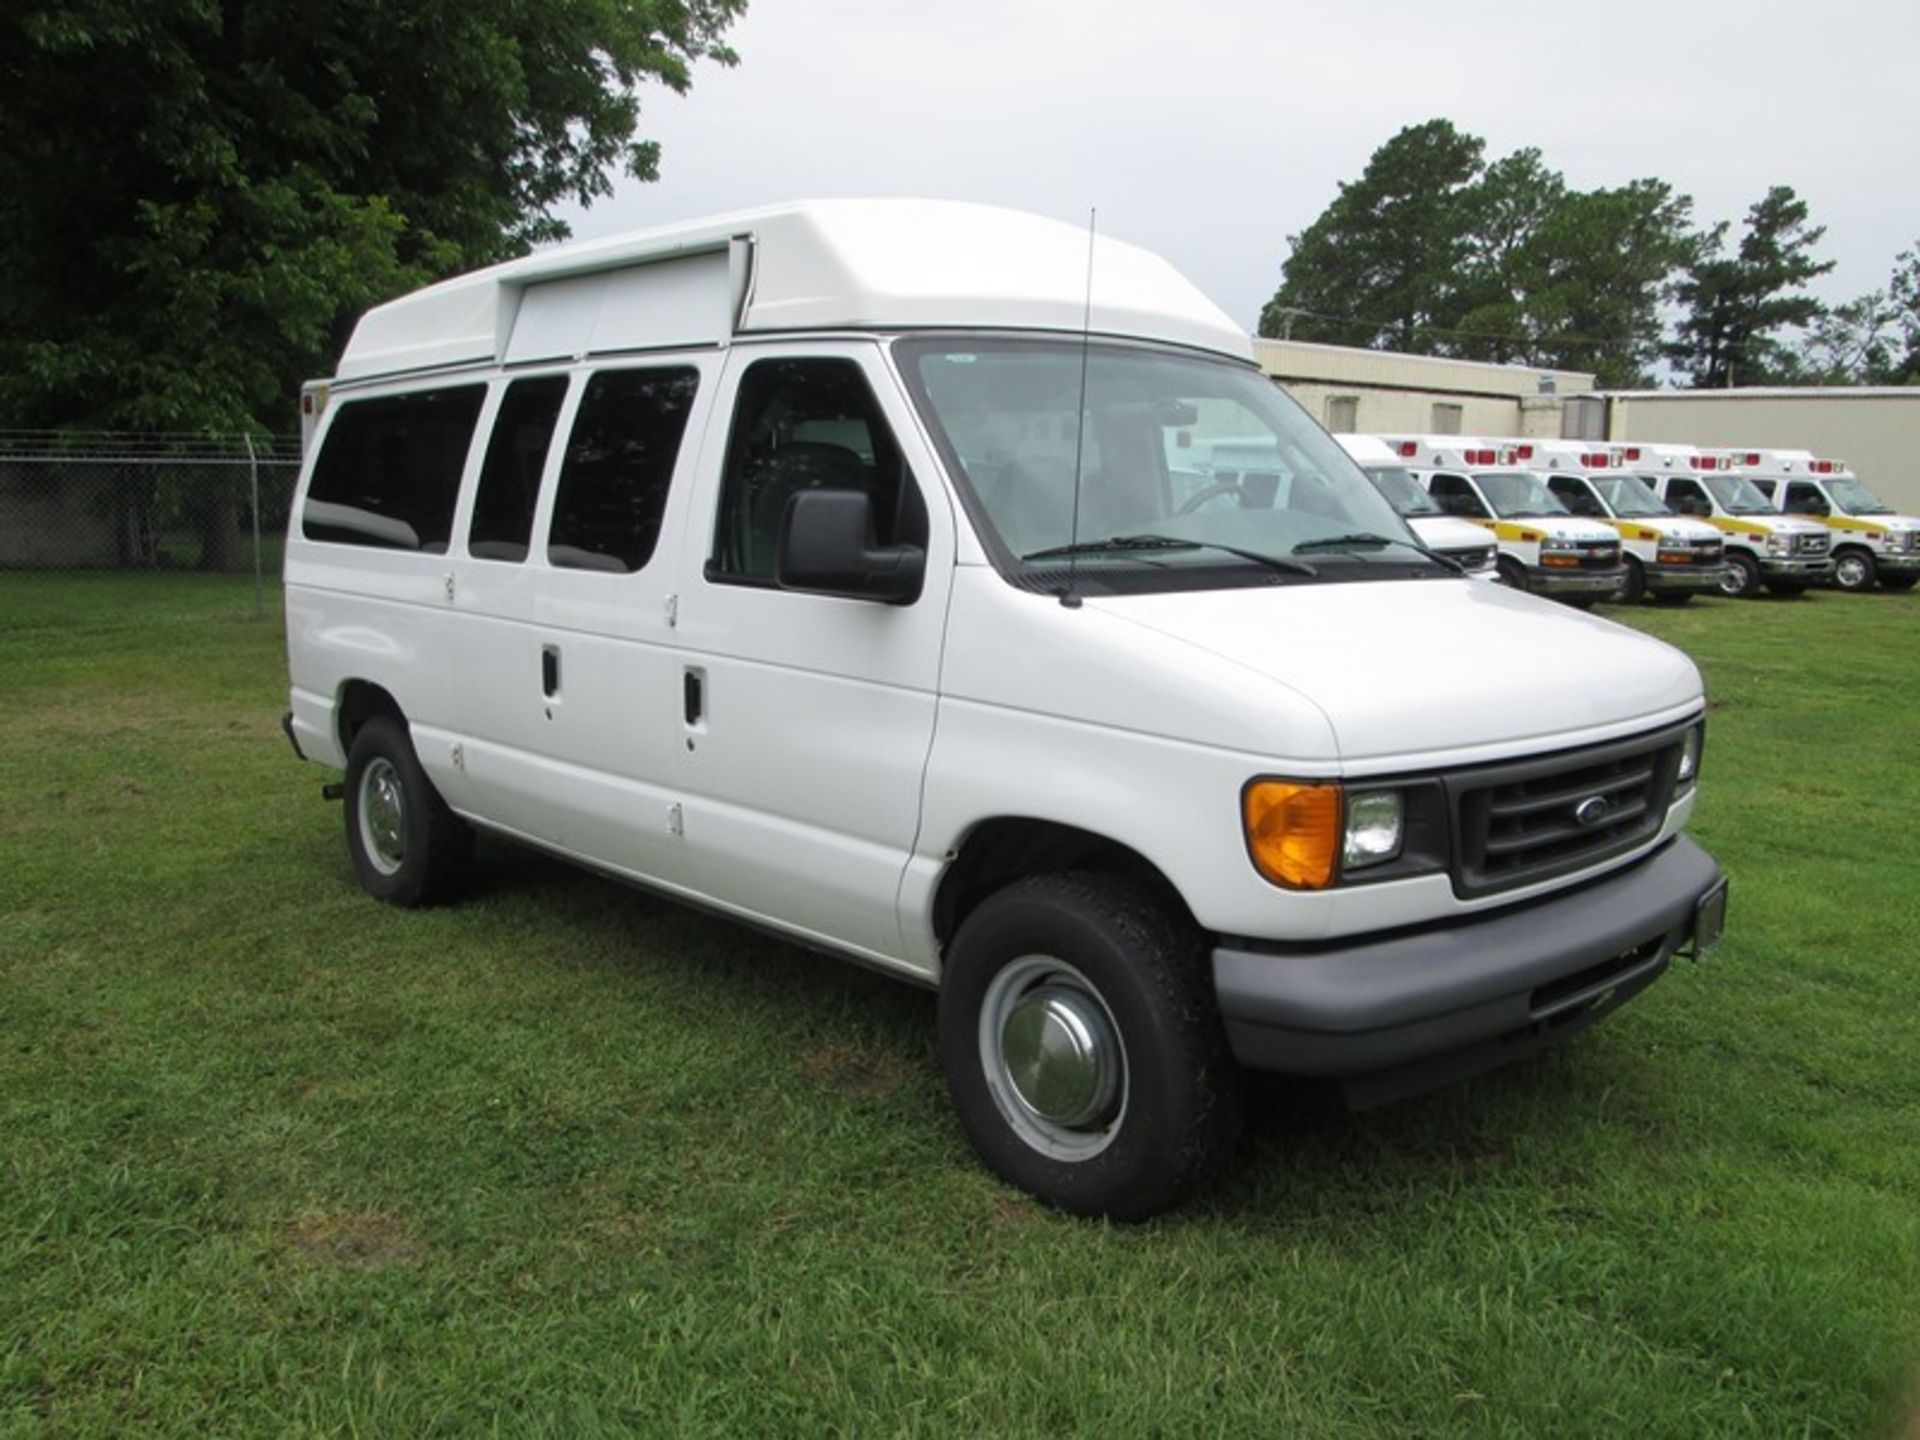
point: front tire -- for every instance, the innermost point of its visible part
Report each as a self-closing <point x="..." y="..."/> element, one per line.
<point x="1634" y="588"/>
<point x="407" y="847"/>
<point x="1855" y="571"/>
<point x="1513" y="574"/>
<point x="1741" y="579"/>
<point x="1083" y="1046"/>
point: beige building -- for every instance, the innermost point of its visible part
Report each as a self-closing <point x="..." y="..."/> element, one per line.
<point x="1378" y="392"/>
<point x="1875" y="430"/>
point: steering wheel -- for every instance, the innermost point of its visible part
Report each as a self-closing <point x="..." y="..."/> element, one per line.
<point x="1212" y="492"/>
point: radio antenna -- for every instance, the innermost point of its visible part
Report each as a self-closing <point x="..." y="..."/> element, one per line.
<point x="1068" y="596"/>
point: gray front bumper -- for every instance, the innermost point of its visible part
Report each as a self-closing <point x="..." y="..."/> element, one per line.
<point x="1399" y="1015"/>
<point x="1684" y="579"/>
<point x="1815" y="567"/>
<point x="1544" y="581"/>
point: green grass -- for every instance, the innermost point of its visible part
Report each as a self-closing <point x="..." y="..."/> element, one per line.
<point x="564" y="1159"/>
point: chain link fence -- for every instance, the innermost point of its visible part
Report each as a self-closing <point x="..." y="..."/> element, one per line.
<point x="105" y="501"/>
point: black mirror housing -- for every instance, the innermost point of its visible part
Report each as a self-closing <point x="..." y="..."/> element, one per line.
<point x="827" y="547"/>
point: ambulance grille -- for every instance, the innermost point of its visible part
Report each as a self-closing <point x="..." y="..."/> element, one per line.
<point x="1521" y="823"/>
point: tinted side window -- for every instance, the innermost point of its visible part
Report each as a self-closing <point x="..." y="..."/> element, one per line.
<point x="1456" y="496"/>
<point x="1576" y="497"/>
<point x="619" y="464"/>
<point x="805" y="425"/>
<point x="510" y="477"/>
<point x="1687" y="496"/>
<point x="389" y="470"/>
<point x="1804" y="499"/>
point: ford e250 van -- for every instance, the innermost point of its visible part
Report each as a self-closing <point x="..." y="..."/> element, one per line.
<point x="824" y="567"/>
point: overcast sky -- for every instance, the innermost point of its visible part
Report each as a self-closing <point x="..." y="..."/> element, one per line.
<point x="1211" y="132"/>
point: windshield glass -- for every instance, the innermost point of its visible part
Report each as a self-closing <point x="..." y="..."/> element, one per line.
<point x="1517" y="493"/>
<point x="1191" y="472"/>
<point x="1402" y="491"/>
<point x="1628" y="496"/>
<point x="1855" y="498"/>
<point x="1738" y="495"/>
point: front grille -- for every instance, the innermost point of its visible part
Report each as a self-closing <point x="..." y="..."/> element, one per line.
<point x="1519" y="824"/>
<point x="1810" y="544"/>
<point x="1599" y="555"/>
<point x="1910" y="541"/>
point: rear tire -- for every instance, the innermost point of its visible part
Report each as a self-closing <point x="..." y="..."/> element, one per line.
<point x="1855" y="571"/>
<point x="1741" y="579"/>
<point x="407" y="847"/>
<point x="1083" y="1046"/>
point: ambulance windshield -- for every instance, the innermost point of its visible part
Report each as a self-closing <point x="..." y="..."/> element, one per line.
<point x="1516" y="494"/>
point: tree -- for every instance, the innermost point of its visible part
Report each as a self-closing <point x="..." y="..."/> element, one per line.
<point x="1435" y="252"/>
<point x="1736" y="306"/>
<point x="1376" y="267"/>
<point x="196" y="196"/>
<point x="1903" y="298"/>
<point x="1595" y="273"/>
<point x="1852" y="344"/>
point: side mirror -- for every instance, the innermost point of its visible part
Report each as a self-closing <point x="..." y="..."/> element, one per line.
<point x="827" y="546"/>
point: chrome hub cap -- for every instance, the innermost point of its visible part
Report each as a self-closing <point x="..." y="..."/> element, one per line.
<point x="383" y="816"/>
<point x="1053" y="1058"/>
<point x="1851" y="572"/>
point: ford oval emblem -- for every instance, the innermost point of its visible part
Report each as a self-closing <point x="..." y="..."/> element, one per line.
<point x="1591" y="811"/>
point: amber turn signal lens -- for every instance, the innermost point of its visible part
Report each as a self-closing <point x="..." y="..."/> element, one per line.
<point x="1293" y="831"/>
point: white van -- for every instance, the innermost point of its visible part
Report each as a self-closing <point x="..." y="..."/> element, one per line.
<point x="1543" y="547"/>
<point x="1872" y="544"/>
<point x="1782" y="552"/>
<point x="821" y="566"/>
<point x="1669" y="557"/>
<point x="1461" y="541"/>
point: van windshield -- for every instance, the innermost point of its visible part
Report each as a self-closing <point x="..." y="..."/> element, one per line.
<point x="1516" y="494"/>
<point x="1402" y="491"/>
<point x="1177" y="472"/>
<point x="1628" y="496"/>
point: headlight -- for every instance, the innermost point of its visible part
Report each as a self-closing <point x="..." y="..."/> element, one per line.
<point x="1375" y="822"/>
<point x="1690" y="754"/>
<point x="1779" y="544"/>
<point x="1556" y="544"/>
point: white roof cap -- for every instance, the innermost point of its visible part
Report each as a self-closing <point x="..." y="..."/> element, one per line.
<point x="817" y="265"/>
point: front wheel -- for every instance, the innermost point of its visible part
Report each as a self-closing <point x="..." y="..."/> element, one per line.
<point x="1741" y="578"/>
<point x="1634" y="588"/>
<point x="1855" y="570"/>
<point x="407" y="847"/>
<point x="1083" y="1046"/>
<point x="1512" y="573"/>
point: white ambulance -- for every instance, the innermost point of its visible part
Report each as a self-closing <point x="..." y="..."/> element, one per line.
<point x="1461" y="541"/>
<point x="820" y="566"/>
<point x="1872" y="544"/>
<point x="1782" y="552"/>
<point x="1670" y="557"/>
<point x="1544" y="548"/>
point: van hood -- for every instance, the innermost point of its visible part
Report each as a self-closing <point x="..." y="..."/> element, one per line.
<point x="1416" y="671"/>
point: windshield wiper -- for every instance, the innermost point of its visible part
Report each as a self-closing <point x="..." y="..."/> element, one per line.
<point x="1124" y="544"/>
<point x="1362" y="538"/>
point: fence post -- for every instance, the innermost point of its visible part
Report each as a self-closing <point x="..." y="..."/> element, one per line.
<point x="253" y="475"/>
